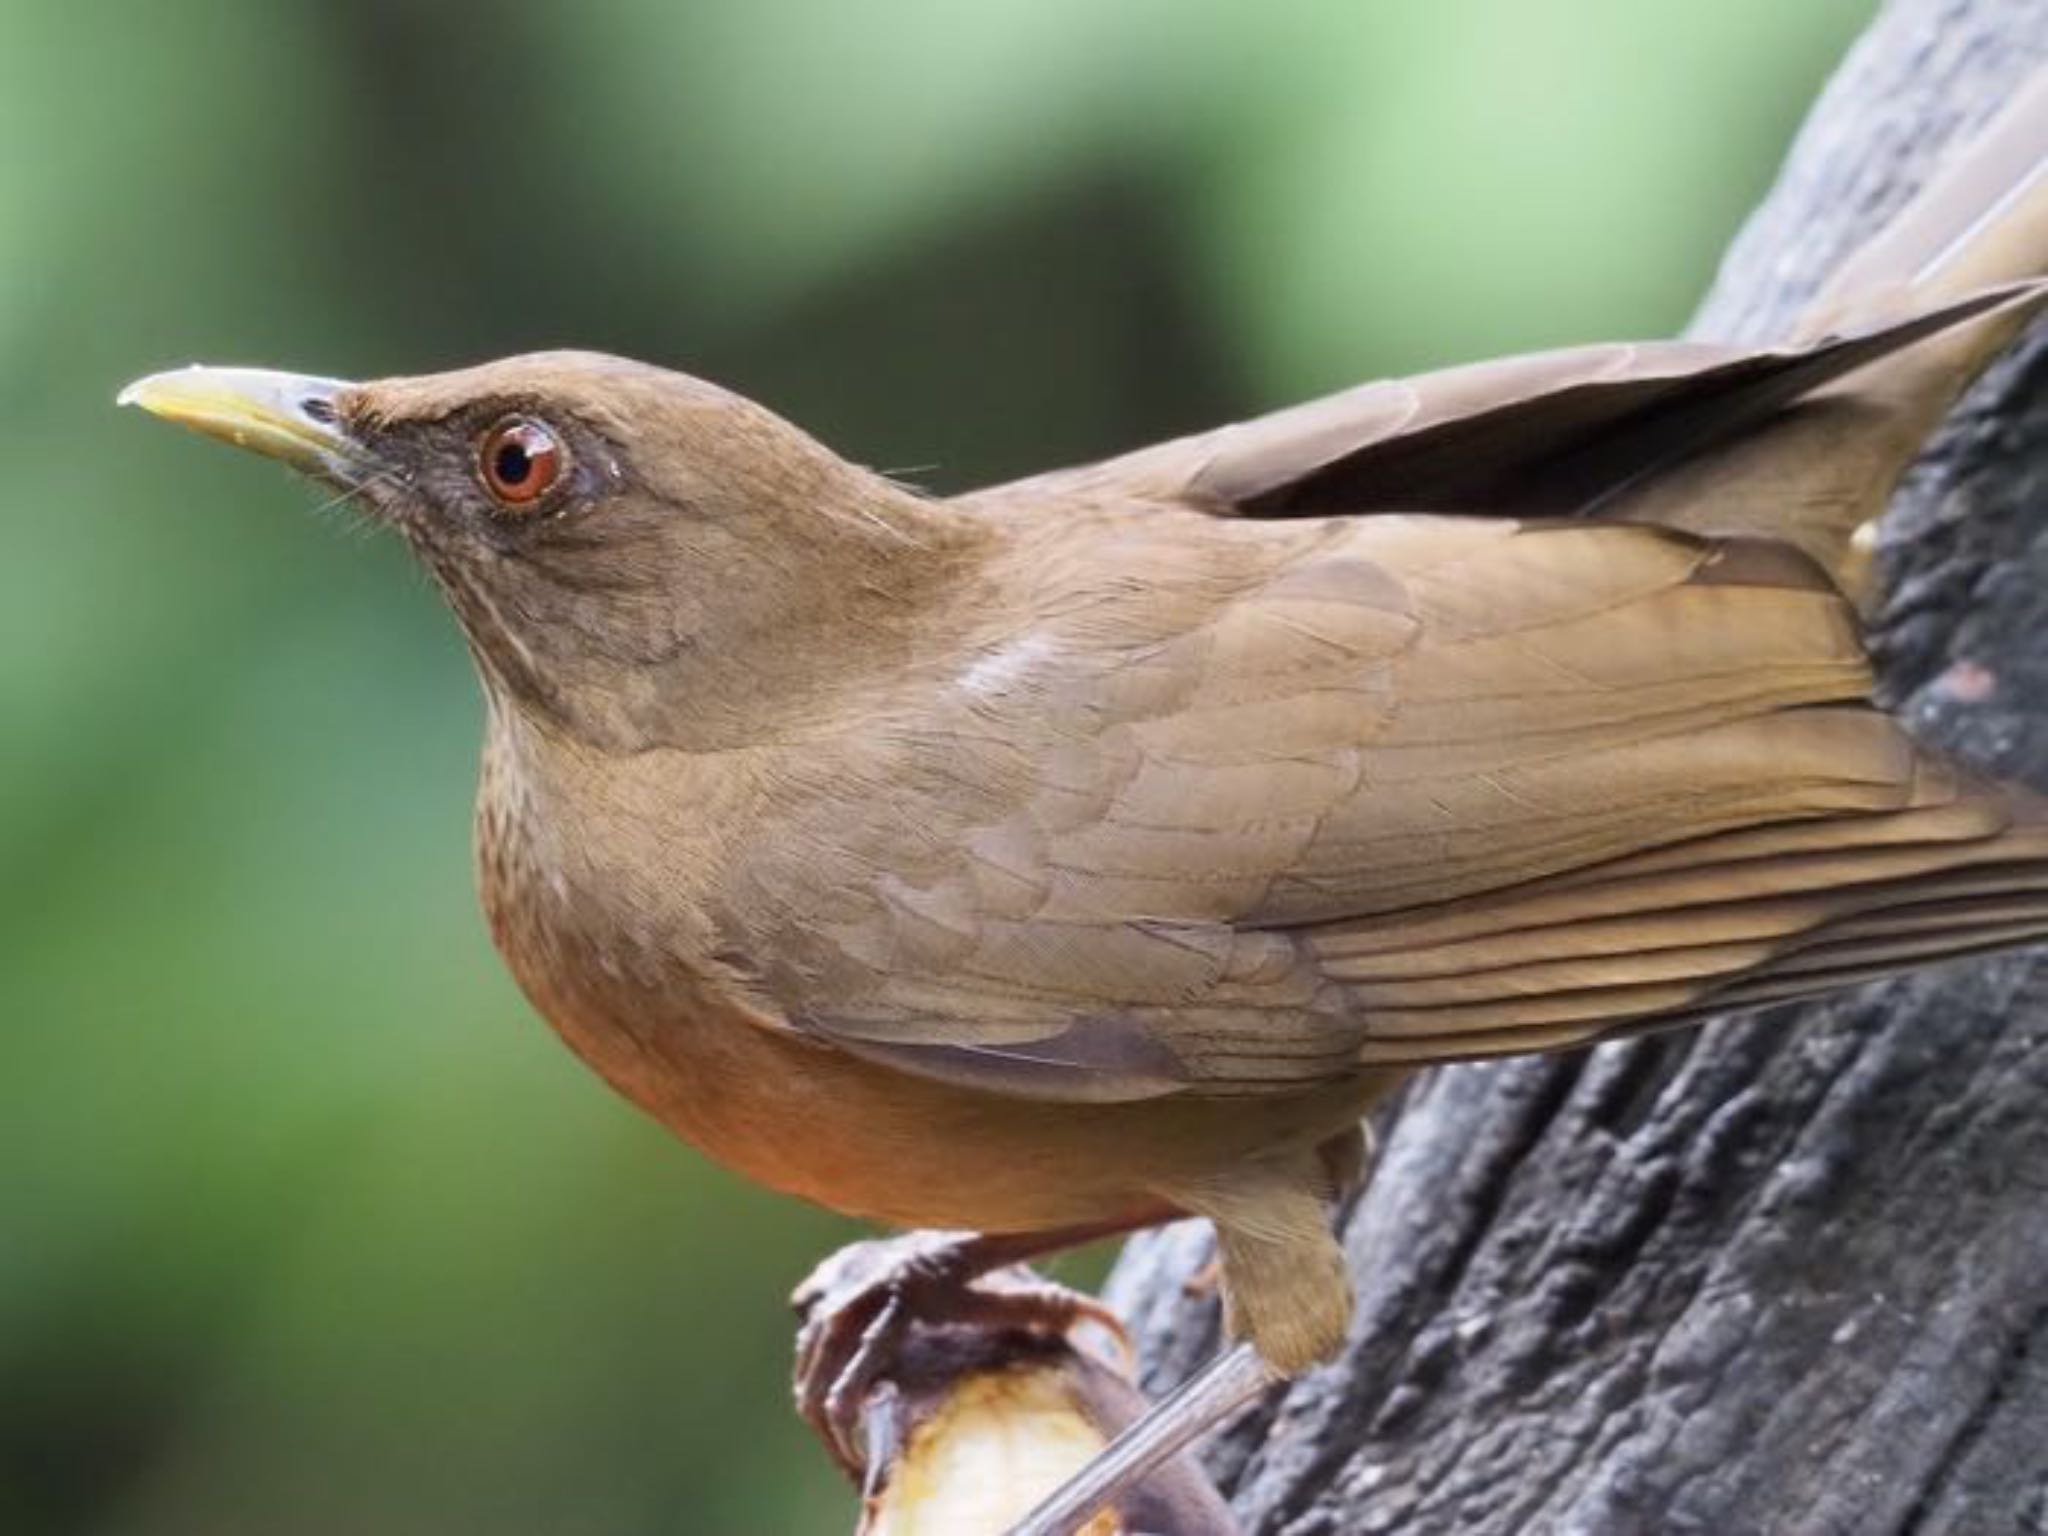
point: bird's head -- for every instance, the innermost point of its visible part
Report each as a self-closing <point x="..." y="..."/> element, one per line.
<point x="636" y="557"/>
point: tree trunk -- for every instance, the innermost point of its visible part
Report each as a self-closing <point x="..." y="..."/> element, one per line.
<point x="1782" y="1274"/>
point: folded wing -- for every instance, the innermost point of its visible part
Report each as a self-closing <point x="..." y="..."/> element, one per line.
<point x="1402" y="789"/>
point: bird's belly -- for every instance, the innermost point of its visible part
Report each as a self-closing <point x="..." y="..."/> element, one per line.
<point x="808" y="1119"/>
<point x="805" y="1117"/>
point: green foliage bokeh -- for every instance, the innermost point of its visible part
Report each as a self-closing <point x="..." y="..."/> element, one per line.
<point x="306" y="1224"/>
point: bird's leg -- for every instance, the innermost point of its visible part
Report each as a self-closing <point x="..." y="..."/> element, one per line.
<point x="1346" y="1162"/>
<point x="1287" y="1295"/>
<point x="856" y="1307"/>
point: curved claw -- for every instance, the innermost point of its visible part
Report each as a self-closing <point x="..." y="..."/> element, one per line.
<point x="845" y="1394"/>
<point x="844" y="1344"/>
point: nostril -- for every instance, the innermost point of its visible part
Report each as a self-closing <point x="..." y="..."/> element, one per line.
<point x="318" y="408"/>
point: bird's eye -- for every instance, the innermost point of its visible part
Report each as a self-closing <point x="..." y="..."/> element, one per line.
<point x="519" y="461"/>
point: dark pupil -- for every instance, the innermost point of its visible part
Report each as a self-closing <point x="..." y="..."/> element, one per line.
<point x="512" y="465"/>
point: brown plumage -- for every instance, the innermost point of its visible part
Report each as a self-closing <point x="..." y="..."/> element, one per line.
<point x="1101" y="846"/>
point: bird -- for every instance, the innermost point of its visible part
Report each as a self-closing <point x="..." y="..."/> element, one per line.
<point x="1075" y="854"/>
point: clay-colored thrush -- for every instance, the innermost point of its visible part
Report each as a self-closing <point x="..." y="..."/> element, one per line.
<point x="1062" y="857"/>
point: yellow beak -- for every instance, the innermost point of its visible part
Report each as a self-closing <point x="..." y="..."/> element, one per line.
<point x="286" y="416"/>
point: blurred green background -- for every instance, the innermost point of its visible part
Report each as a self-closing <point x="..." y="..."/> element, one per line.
<point x="306" y="1223"/>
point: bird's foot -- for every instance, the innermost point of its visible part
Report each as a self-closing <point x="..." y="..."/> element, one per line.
<point x="857" y="1307"/>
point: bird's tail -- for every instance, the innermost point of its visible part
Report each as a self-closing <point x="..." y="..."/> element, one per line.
<point x="1818" y="474"/>
<point x="1981" y="222"/>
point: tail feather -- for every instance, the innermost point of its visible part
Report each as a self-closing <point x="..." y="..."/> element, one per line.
<point x="1981" y="222"/>
<point x="1819" y="474"/>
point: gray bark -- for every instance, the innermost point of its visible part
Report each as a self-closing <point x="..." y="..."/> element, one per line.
<point x="1784" y="1274"/>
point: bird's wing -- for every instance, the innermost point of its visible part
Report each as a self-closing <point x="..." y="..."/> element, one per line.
<point x="1376" y="789"/>
<point x="1544" y="435"/>
<point x="1563" y="432"/>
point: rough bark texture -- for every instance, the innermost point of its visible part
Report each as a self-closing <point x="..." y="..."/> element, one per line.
<point x="1788" y="1273"/>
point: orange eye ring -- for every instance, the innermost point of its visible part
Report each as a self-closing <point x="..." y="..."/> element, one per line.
<point x="519" y="461"/>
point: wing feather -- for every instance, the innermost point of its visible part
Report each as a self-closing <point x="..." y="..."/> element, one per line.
<point x="1387" y="790"/>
